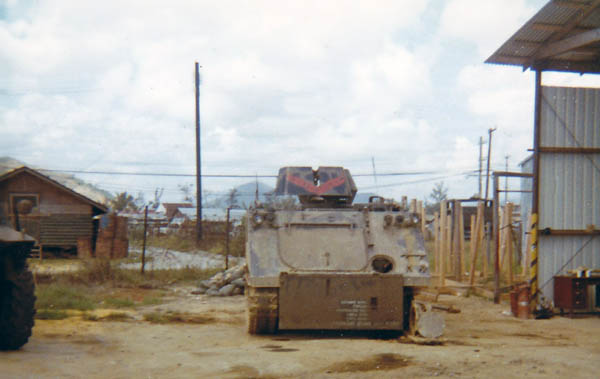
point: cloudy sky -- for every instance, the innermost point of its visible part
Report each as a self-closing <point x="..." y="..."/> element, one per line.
<point x="109" y="86"/>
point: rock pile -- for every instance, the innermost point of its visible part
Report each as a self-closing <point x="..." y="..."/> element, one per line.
<point x="227" y="283"/>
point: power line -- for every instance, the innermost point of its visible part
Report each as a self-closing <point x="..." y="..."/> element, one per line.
<point x="415" y="173"/>
<point x="47" y="91"/>
<point x="165" y="174"/>
<point x="157" y="174"/>
<point x="420" y="180"/>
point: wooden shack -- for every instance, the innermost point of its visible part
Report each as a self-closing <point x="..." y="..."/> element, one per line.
<point x="59" y="215"/>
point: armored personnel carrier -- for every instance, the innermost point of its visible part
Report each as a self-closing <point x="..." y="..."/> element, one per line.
<point x="326" y="264"/>
<point x="17" y="298"/>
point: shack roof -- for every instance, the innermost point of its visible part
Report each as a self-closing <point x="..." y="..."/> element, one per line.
<point x="24" y="169"/>
<point x="171" y="209"/>
<point x="563" y="36"/>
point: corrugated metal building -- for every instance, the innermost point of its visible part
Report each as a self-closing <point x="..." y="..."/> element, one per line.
<point x="563" y="36"/>
<point x="569" y="182"/>
<point x="60" y="216"/>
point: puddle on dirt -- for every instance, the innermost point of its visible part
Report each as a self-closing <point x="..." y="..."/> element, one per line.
<point x="422" y="341"/>
<point x="537" y="336"/>
<point x="53" y="335"/>
<point x="283" y="350"/>
<point x="203" y="353"/>
<point x="278" y="348"/>
<point x="88" y="340"/>
<point x="305" y="335"/>
<point x="244" y="371"/>
<point x="375" y="362"/>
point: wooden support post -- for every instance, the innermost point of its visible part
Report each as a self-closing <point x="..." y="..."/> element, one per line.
<point x="509" y="241"/>
<point x="436" y="242"/>
<point x="502" y="212"/>
<point x="443" y="244"/>
<point x="461" y="240"/>
<point x="456" y="241"/>
<point x="472" y="240"/>
<point x="422" y="216"/>
<point x="484" y="252"/>
<point x="227" y="240"/>
<point x="144" y="241"/>
<point x="475" y="251"/>
<point x="496" y="241"/>
<point x="448" y="244"/>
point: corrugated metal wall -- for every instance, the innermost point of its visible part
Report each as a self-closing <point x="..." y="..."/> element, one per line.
<point x="569" y="182"/>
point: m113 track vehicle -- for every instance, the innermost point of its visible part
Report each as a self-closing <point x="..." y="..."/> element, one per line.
<point x="17" y="298"/>
<point x="328" y="265"/>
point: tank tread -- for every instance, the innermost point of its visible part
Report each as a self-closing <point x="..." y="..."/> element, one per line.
<point x="17" y="310"/>
<point x="263" y="310"/>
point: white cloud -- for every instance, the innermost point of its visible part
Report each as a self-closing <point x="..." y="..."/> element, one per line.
<point x="110" y="85"/>
<point x="561" y="79"/>
<point x="464" y="154"/>
<point x="385" y="82"/>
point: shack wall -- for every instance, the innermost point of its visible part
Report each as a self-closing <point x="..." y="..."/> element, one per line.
<point x="569" y="182"/>
<point x="59" y="218"/>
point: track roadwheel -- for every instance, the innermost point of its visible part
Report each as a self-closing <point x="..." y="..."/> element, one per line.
<point x="408" y="316"/>
<point x="412" y="320"/>
<point x="17" y="308"/>
<point x="263" y="309"/>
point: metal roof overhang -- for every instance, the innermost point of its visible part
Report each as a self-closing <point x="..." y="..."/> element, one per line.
<point x="563" y="36"/>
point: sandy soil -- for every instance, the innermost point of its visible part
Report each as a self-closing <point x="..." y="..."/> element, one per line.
<point x="479" y="342"/>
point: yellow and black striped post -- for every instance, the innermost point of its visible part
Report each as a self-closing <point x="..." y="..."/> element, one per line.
<point x="533" y="265"/>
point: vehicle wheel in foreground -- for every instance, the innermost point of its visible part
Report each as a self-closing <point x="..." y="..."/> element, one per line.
<point x="17" y="309"/>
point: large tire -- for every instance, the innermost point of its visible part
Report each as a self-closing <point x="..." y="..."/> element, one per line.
<point x="263" y="310"/>
<point x="17" y="309"/>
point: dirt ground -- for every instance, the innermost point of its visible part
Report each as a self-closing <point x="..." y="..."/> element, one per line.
<point x="479" y="342"/>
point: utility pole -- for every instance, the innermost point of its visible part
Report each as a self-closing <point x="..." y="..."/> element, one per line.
<point x="506" y="181"/>
<point x="480" y="166"/>
<point x="256" y="192"/>
<point x="375" y="175"/>
<point x="487" y="179"/>
<point x="198" y="162"/>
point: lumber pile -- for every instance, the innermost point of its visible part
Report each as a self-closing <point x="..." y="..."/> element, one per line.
<point x="471" y="262"/>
